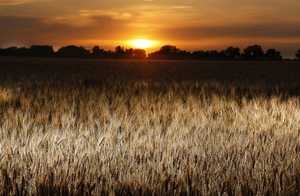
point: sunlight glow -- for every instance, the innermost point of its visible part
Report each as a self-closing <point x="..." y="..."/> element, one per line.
<point x="141" y="43"/>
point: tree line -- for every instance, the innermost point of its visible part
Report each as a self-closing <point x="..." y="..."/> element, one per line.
<point x="253" y="52"/>
<point x="73" y="51"/>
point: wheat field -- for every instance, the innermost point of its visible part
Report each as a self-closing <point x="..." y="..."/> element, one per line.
<point x="141" y="138"/>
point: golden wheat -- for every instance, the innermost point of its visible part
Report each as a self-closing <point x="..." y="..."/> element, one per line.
<point x="147" y="138"/>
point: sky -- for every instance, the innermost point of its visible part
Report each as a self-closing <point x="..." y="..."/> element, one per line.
<point x="188" y="24"/>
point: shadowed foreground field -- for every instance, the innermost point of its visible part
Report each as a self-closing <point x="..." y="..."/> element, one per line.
<point x="144" y="136"/>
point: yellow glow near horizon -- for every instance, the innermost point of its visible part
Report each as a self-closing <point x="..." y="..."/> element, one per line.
<point x="142" y="43"/>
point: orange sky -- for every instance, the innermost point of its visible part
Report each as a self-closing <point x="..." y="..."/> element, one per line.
<point x="189" y="24"/>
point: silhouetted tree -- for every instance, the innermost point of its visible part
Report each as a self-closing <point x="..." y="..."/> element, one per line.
<point x="139" y="54"/>
<point x="11" y="51"/>
<point x="15" y="51"/>
<point x="164" y="52"/>
<point x="298" y="55"/>
<point x="119" y="49"/>
<point x="215" y="55"/>
<point x="254" y="52"/>
<point x="183" y="54"/>
<point x="273" y="54"/>
<point x="169" y="49"/>
<point x="232" y="53"/>
<point x="200" y="54"/>
<point x="120" y="52"/>
<point x="170" y="52"/>
<point x="99" y="52"/>
<point x="128" y="53"/>
<point x="41" y="51"/>
<point x="72" y="51"/>
<point x="36" y="51"/>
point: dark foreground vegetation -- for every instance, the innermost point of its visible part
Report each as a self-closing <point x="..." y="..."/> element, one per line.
<point x="95" y="70"/>
<point x="149" y="127"/>
<point x="254" y="52"/>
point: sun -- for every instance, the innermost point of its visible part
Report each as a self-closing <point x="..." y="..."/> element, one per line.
<point x="141" y="43"/>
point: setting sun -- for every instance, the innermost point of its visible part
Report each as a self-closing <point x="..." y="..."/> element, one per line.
<point x="141" y="43"/>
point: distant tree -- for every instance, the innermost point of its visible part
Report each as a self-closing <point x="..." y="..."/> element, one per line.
<point x="11" y="51"/>
<point x="119" y="49"/>
<point x="200" y="54"/>
<point x="128" y="53"/>
<point x="273" y="54"/>
<point x="72" y="51"/>
<point x="254" y="52"/>
<point x="41" y="51"/>
<point x="170" y="52"/>
<point x="139" y="53"/>
<point x="169" y="49"/>
<point x="183" y="54"/>
<point x="15" y="51"/>
<point x="215" y="55"/>
<point x="298" y="55"/>
<point x="120" y="52"/>
<point x="22" y="51"/>
<point x="98" y="52"/>
<point x="232" y="53"/>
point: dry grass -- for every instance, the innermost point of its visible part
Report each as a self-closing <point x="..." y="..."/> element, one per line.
<point x="141" y="138"/>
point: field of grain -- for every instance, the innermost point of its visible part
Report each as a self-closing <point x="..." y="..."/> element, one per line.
<point x="141" y="137"/>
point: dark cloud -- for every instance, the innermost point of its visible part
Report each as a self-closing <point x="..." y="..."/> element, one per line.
<point x="28" y="30"/>
<point x="271" y="30"/>
<point x="13" y="2"/>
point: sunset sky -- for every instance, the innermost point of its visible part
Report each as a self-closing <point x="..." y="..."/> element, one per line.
<point x="189" y="24"/>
